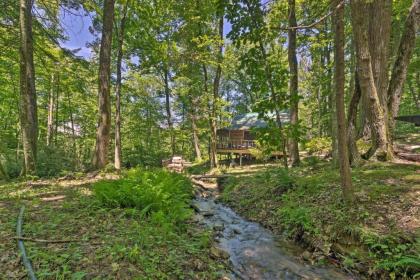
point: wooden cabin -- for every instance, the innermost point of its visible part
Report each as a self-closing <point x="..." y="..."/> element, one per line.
<point x="237" y="138"/>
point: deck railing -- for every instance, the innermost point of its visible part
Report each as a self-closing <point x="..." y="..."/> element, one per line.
<point x="236" y="144"/>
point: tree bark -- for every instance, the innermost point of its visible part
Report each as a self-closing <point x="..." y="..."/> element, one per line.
<point x="57" y="99"/>
<point x="28" y="110"/>
<point x="73" y="132"/>
<point x="50" y="120"/>
<point x="100" y="158"/>
<point x="117" y="151"/>
<point x="354" y="155"/>
<point x="196" y="140"/>
<point x="380" y="17"/>
<point x="168" y="110"/>
<point x="399" y="70"/>
<point x="339" y="79"/>
<point x="215" y="101"/>
<point x="3" y="173"/>
<point x="294" y="98"/>
<point x="332" y="109"/>
<point x="380" y="145"/>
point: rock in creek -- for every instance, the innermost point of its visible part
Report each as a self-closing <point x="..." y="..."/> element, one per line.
<point x="207" y="214"/>
<point x="218" y="253"/>
<point x="236" y="231"/>
<point x="218" y="227"/>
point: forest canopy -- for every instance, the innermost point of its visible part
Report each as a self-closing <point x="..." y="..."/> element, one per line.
<point x="292" y="123"/>
<point x="159" y="78"/>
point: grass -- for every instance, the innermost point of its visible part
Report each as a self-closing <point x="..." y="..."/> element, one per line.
<point x="117" y="242"/>
<point x="378" y="236"/>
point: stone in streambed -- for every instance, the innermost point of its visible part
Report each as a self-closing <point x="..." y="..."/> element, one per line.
<point x="218" y="227"/>
<point x="207" y="214"/>
<point x="306" y="255"/>
<point x="218" y="253"/>
<point x="198" y="219"/>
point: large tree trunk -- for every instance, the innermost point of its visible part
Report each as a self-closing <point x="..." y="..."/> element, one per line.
<point x="294" y="98"/>
<point x="168" y="110"/>
<point x="380" y="145"/>
<point x="50" y="119"/>
<point x="380" y="16"/>
<point x="399" y="71"/>
<point x="117" y="152"/>
<point x="28" y="110"/>
<point x="340" y="110"/>
<point x="100" y="158"/>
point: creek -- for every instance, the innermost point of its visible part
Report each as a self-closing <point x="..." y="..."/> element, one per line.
<point x="254" y="252"/>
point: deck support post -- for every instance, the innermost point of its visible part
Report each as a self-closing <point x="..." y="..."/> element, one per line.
<point x="232" y="160"/>
<point x="240" y="159"/>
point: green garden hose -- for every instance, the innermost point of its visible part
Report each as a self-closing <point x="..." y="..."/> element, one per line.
<point x="21" y="246"/>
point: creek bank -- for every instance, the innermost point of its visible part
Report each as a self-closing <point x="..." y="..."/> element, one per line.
<point x="253" y="251"/>
<point x="377" y="238"/>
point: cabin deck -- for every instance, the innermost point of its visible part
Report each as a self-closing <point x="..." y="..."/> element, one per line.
<point x="239" y="147"/>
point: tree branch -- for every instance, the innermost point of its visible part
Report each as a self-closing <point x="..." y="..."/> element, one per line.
<point x="315" y="22"/>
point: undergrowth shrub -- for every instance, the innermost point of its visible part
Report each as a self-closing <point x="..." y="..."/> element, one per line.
<point x="392" y="254"/>
<point x="158" y="193"/>
<point x="318" y="145"/>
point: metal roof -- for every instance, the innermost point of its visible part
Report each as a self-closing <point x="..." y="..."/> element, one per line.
<point x="251" y="120"/>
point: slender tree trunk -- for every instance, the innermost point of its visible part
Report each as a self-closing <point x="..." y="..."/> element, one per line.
<point x="399" y="70"/>
<point x="50" y="121"/>
<point x="380" y="145"/>
<point x="339" y="79"/>
<point x="354" y="154"/>
<point x="28" y="110"/>
<point x="274" y="96"/>
<point x="100" y="158"/>
<point x="333" y="110"/>
<point x="73" y="132"/>
<point x="196" y="140"/>
<point x="3" y="173"/>
<point x="117" y="152"/>
<point x="57" y="97"/>
<point x="215" y="106"/>
<point x="168" y="110"/>
<point x="294" y="97"/>
<point x="206" y="90"/>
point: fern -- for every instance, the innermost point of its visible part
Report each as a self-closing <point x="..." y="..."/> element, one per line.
<point x="150" y="191"/>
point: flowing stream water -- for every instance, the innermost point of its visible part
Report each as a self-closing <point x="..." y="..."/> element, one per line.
<point x="253" y="250"/>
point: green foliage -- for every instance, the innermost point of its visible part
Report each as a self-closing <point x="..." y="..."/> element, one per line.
<point x="392" y="253"/>
<point x="318" y="145"/>
<point x="163" y="195"/>
<point x="296" y="219"/>
<point x="310" y="210"/>
<point x="53" y="162"/>
<point x="115" y="243"/>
